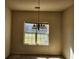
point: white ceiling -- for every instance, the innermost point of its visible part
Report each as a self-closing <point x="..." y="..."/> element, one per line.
<point x="45" y="5"/>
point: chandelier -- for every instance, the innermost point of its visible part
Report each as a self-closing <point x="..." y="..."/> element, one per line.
<point x="39" y="25"/>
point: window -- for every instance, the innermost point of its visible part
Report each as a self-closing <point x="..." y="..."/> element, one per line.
<point x="35" y="37"/>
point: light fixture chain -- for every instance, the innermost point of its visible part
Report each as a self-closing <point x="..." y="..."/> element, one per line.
<point x="38" y="10"/>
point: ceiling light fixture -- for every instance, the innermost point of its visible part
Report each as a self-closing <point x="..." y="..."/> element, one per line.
<point x="39" y="25"/>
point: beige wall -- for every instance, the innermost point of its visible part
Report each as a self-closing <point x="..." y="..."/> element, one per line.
<point x="54" y="20"/>
<point x="68" y="31"/>
<point x="7" y="31"/>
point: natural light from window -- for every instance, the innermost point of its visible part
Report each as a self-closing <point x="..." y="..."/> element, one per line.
<point x="41" y="58"/>
<point x="33" y="38"/>
<point x="71" y="53"/>
<point x="47" y="58"/>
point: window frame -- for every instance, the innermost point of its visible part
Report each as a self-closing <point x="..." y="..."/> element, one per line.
<point x="35" y="36"/>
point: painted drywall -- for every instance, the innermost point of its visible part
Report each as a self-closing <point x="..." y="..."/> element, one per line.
<point x="68" y="31"/>
<point x="7" y="31"/>
<point x="54" y="20"/>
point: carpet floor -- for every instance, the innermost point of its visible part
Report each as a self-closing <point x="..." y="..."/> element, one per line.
<point x="33" y="57"/>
